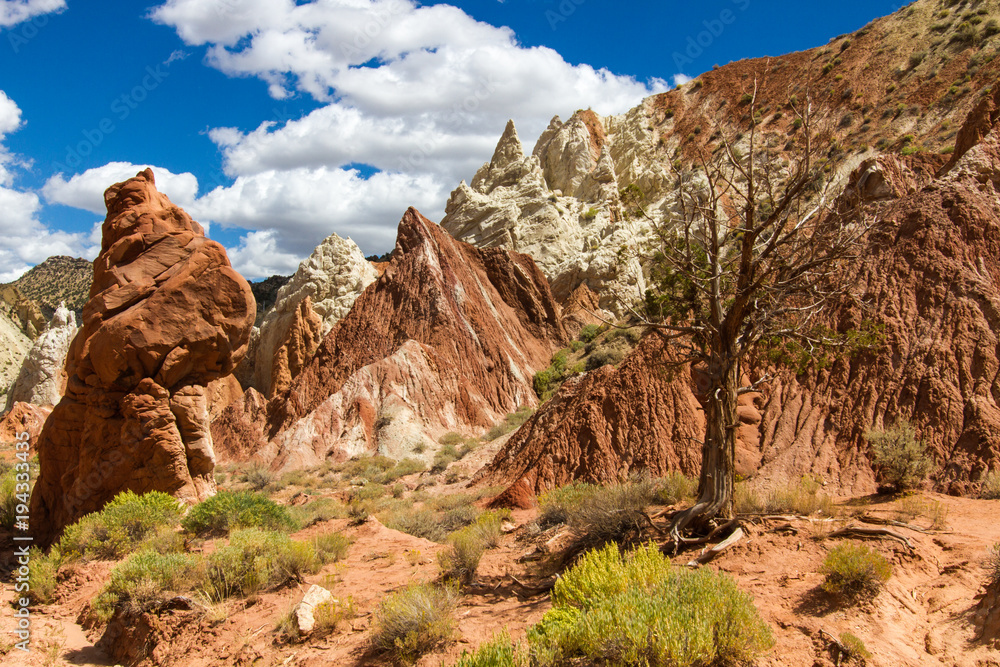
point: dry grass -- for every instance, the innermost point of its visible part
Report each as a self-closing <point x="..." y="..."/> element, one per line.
<point x="415" y="620"/>
<point x="802" y="496"/>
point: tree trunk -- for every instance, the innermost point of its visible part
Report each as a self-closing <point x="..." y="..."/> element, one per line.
<point x="718" y="454"/>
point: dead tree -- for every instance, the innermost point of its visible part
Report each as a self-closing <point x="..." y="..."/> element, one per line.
<point x="749" y="257"/>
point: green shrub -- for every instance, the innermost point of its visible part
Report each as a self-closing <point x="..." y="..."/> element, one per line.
<point x="916" y="58"/>
<point x="500" y="651"/>
<point x="638" y="609"/>
<point x="413" y="621"/>
<point x="445" y="457"/>
<point x="855" y="571"/>
<point x="489" y="526"/>
<point x="600" y="514"/>
<point x="257" y="476"/>
<point x="140" y="580"/>
<point x="458" y="517"/>
<point x="965" y="34"/>
<point x="603" y="356"/>
<point x="401" y="469"/>
<point x="992" y="564"/>
<point x="42" y="571"/>
<point x="229" y="510"/>
<point x="902" y="460"/>
<point x="123" y="526"/>
<point x="632" y="335"/>
<point x="321" y="509"/>
<point x="511" y="422"/>
<point x="366" y="467"/>
<point x="417" y="522"/>
<point x="990" y="489"/>
<point x="801" y="496"/>
<point x="331" y="547"/>
<point x="254" y="560"/>
<point x="329" y="614"/>
<point x="674" y="487"/>
<point x="611" y="514"/>
<point x="372" y="491"/>
<point x="589" y="332"/>
<point x="461" y="559"/>
<point x="557" y="505"/>
<point x="855" y="648"/>
<point x="9" y="500"/>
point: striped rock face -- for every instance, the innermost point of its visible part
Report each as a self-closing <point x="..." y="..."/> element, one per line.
<point x="167" y="315"/>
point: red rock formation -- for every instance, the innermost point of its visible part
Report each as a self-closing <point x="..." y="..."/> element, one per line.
<point x="222" y="393"/>
<point x="23" y="418"/>
<point x="583" y="307"/>
<point x="603" y="425"/>
<point x="930" y="277"/>
<point x="448" y="338"/>
<point x="296" y="348"/>
<point x="987" y="615"/>
<point x="167" y="315"/>
<point x="980" y="122"/>
<point x="238" y="431"/>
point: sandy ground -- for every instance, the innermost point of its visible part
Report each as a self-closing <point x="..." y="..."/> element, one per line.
<point x="923" y="617"/>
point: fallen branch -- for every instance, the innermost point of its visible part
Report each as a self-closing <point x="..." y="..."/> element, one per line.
<point x="868" y="518"/>
<point x="857" y="531"/>
<point x="841" y="649"/>
<point x="785" y="527"/>
<point x="784" y="517"/>
<point x="535" y="590"/>
<point x="712" y="552"/>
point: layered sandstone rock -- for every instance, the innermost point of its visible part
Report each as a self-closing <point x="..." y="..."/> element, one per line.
<point x="21" y="310"/>
<point x="42" y="378"/>
<point x="604" y="425"/>
<point x="987" y="615"/>
<point x="167" y="315"/>
<point x="928" y="279"/>
<point x="583" y="307"/>
<point x="320" y="293"/>
<point x="239" y="431"/>
<point x="14" y="346"/>
<point x="559" y="205"/>
<point x="23" y="418"/>
<point x="447" y="339"/>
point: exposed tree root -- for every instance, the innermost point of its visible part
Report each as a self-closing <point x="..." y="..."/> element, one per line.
<point x="868" y="518"/>
<point x="857" y="531"/>
<point x="710" y="553"/>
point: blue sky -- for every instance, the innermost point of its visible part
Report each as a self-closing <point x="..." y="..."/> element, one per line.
<point x="278" y="122"/>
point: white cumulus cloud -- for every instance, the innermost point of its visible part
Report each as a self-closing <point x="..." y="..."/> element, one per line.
<point x="420" y="93"/>
<point x="86" y="190"/>
<point x="13" y="12"/>
<point x="302" y="206"/>
<point x="24" y="240"/>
